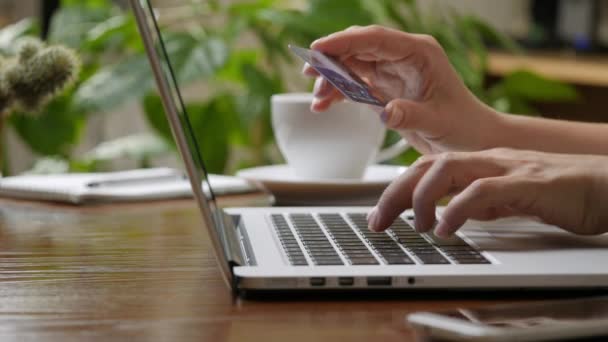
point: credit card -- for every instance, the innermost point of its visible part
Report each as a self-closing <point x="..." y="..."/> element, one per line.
<point x="347" y="82"/>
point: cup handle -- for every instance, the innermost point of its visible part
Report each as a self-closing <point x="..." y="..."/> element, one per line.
<point x="392" y="151"/>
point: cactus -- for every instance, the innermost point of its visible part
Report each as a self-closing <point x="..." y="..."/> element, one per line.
<point x="33" y="77"/>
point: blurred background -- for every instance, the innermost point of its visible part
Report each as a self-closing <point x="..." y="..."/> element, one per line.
<point x="530" y="57"/>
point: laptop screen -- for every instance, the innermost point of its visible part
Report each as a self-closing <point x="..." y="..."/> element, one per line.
<point x="219" y="226"/>
<point x="170" y="76"/>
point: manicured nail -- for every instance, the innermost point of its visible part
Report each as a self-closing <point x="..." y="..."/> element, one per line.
<point x="384" y="116"/>
<point x="372" y="220"/>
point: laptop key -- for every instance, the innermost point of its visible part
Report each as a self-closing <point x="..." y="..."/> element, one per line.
<point x="292" y="249"/>
<point x="432" y="259"/>
<point x="417" y="251"/>
<point x="399" y="260"/>
<point x="363" y="261"/>
<point x="473" y="261"/>
<point x="299" y="262"/>
<point x="351" y="245"/>
<point x="382" y="243"/>
<point x="329" y="262"/>
<point x="315" y="241"/>
<point x="455" y="240"/>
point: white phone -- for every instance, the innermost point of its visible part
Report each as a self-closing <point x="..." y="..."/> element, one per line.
<point x="542" y="321"/>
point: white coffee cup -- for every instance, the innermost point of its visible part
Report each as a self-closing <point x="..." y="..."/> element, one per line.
<point x="337" y="144"/>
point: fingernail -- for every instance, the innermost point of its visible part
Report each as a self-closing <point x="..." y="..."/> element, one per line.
<point x="304" y="69"/>
<point x="312" y="45"/>
<point x="372" y="220"/>
<point x="318" y="88"/>
<point x="441" y="230"/>
<point x="314" y="104"/>
<point x="384" y="116"/>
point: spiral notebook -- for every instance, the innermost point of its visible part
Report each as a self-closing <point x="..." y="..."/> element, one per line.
<point x="123" y="186"/>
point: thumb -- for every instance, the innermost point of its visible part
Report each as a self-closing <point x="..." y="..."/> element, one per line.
<point x="403" y="114"/>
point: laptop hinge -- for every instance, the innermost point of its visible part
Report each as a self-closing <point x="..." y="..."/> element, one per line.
<point x="227" y="230"/>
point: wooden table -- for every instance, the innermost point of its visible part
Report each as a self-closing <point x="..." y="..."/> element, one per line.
<point x="146" y="272"/>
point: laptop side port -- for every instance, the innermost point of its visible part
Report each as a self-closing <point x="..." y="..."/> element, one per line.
<point x="346" y="281"/>
<point x="379" y="281"/>
<point x="317" y="281"/>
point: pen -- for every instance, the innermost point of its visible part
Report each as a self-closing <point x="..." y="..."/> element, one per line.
<point x="134" y="180"/>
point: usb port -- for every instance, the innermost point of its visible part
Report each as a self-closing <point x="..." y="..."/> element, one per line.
<point x="346" y="281"/>
<point x="379" y="281"/>
<point x="317" y="281"/>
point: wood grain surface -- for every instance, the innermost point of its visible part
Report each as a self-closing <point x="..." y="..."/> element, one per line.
<point x="146" y="273"/>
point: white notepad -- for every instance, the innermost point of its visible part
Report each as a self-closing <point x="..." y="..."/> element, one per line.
<point x="123" y="186"/>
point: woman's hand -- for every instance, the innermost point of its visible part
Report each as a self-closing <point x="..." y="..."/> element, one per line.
<point x="569" y="191"/>
<point x="432" y="108"/>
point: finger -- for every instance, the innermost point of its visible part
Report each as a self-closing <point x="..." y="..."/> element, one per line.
<point x="322" y="104"/>
<point x="450" y="173"/>
<point x="397" y="197"/>
<point x="365" y="70"/>
<point x="486" y="197"/>
<point x="403" y="114"/>
<point x="322" y="88"/>
<point x="309" y="71"/>
<point x="496" y="213"/>
<point x="381" y="42"/>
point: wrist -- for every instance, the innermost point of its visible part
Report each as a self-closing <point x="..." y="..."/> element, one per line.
<point x="595" y="187"/>
<point x="496" y="130"/>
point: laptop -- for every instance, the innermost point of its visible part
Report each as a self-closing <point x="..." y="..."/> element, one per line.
<point x="331" y="249"/>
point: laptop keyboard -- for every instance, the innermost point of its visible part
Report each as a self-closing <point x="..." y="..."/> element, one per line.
<point x="315" y="241"/>
<point x="348" y="243"/>
<point x="288" y="241"/>
<point x="335" y="241"/>
<point x="381" y="243"/>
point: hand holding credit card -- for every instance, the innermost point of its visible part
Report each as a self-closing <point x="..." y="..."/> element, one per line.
<point x="348" y="83"/>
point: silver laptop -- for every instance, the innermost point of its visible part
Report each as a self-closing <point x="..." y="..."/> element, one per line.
<point x="330" y="248"/>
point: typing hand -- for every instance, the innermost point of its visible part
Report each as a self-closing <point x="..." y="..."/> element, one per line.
<point x="432" y="109"/>
<point x="569" y="191"/>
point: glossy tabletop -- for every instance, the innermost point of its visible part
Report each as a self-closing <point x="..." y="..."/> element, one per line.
<point x="146" y="272"/>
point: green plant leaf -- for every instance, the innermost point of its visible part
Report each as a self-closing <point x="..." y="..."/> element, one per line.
<point x="321" y="18"/>
<point x="113" y="34"/>
<point x="254" y="106"/>
<point x="232" y="70"/>
<point x="155" y="114"/>
<point x="114" y="85"/>
<point x="11" y="33"/>
<point x="54" y="131"/>
<point x="87" y="3"/>
<point x="393" y="13"/>
<point x="211" y="130"/>
<point x="137" y="147"/>
<point x="49" y="165"/>
<point x="533" y="87"/>
<point x="194" y="58"/>
<point x="473" y="40"/>
<point x="492" y="35"/>
<point x="249" y="9"/>
<point x="407" y="15"/>
<point x="408" y="157"/>
<point x="212" y="123"/>
<point x="71" y="24"/>
<point x="131" y="79"/>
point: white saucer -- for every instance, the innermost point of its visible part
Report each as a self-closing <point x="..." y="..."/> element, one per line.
<point x="288" y="189"/>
